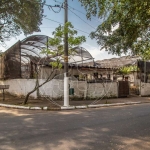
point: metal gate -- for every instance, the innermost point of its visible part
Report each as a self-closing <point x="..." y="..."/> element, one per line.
<point x="123" y="88"/>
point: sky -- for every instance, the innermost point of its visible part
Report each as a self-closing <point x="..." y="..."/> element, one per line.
<point x="77" y="16"/>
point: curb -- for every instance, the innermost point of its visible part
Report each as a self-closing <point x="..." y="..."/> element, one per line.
<point x="67" y="108"/>
<point x="114" y="104"/>
<point x="99" y="105"/>
<point x="35" y="108"/>
<point x="70" y="107"/>
<point x="81" y="107"/>
<point x="14" y="106"/>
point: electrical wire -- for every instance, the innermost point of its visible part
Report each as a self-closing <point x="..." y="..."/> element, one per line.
<point x="49" y="6"/>
<point x="53" y="20"/>
<point x="47" y="27"/>
<point x="76" y="14"/>
<point x="82" y="19"/>
<point x="62" y="24"/>
<point x="58" y="2"/>
<point x="77" y="10"/>
<point x="82" y="13"/>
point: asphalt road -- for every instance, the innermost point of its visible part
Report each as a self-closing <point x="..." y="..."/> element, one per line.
<point x="111" y="128"/>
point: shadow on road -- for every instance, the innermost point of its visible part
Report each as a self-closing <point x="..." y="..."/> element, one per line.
<point x="111" y="128"/>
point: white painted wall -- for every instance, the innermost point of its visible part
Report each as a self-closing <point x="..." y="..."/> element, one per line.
<point x="54" y="88"/>
<point x="100" y="89"/>
<point x="145" y="89"/>
<point x="20" y="86"/>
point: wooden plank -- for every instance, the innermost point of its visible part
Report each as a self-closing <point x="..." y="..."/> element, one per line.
<point x="4" y="86"/>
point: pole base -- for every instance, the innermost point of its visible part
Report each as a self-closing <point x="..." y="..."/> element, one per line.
<point x="66" y="91"/>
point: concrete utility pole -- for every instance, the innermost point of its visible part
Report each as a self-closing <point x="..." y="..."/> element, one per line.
<point x="66" y="78"/>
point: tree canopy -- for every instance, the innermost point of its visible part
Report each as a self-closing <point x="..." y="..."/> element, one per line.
<point x="58" y="42"/>
<point x="17" y="16"/>
<point x="131" y="19"/>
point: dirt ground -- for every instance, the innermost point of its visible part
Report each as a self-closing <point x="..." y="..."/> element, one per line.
<point x="15" y="100"/>
<point x="10" y="99"/>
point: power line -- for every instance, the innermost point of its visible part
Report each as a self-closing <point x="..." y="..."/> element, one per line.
<point x="53" y="20"/>
<point x="82" y="31"/>
<point x="47" y="27"/>
<point x="49" y="6"/>
<point x="62" y="24"/>
<point x="83" y="20"/>
<point x="58" y="2"/>
<point x="61" y="6"/>
<point x="77" y="10"/>
<point x="83" y="13"/>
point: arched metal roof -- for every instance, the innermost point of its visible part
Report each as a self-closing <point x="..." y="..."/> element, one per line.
<point x="32" y="47"/>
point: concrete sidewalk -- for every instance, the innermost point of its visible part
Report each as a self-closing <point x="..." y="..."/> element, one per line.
<point x="50" y="104"/>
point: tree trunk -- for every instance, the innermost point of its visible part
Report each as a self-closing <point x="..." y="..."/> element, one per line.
<point x="37" y="86"/>
<point x="27" y="96"/>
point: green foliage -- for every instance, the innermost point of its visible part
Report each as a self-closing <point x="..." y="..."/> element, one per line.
<point x="57" y="43"/>
<point x="127" y="70"/>
<point x="17" y="16"/>
<point x="56" y="64"/>
<point x="132" y="18"/>
<point x="142" y="47"/>
<point x="145" y="53"/>
<point x="73" y="40"/>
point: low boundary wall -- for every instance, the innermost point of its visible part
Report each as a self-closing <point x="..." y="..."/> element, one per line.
<point x="54" y="88"/>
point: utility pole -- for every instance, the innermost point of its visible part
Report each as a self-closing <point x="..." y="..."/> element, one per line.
<point x="66" y="78"/>
<point x="144" y="71"/>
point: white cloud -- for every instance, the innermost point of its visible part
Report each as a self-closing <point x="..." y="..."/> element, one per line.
<point x="97" y="53"/>
<point x="11" y="42"/>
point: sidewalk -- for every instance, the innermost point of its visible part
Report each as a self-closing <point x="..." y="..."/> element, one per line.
<point x="49" y="104"/>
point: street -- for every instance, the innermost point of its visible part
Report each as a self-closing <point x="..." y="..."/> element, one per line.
<point x="110" y="128"/>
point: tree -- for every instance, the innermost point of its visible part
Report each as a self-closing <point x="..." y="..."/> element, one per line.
<point x="131" y="19"/>
<point x="126" y="70"/>
<point x="17" y="16"/>
<point x="57" y="53"/>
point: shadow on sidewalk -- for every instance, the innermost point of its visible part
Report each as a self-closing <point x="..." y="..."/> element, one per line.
<point x="42" y="102"/>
